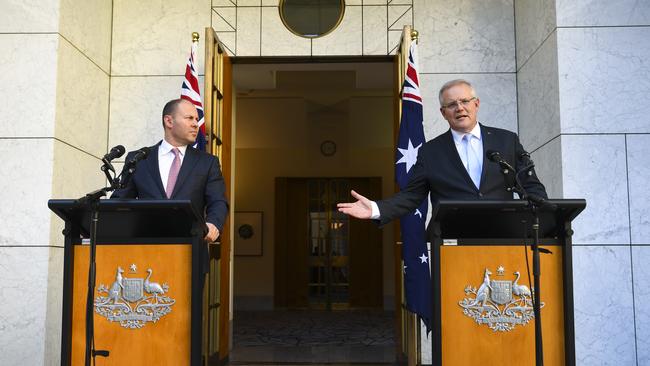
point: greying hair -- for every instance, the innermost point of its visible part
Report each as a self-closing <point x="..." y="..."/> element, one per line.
<point x="455" y="82"/>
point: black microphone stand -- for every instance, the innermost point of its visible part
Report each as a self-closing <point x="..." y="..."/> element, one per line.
<point x="91" y="200"/>
<point x="534" y="203"/>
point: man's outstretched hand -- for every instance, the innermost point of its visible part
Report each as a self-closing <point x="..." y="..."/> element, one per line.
<point x="361" y="209"/>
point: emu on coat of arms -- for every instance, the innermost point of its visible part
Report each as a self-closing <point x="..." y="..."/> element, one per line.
<point x="133" y="301"/>
<point x="499" y="304"/>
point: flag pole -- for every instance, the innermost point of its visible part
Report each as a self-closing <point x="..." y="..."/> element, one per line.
<point x="195" y="37"/>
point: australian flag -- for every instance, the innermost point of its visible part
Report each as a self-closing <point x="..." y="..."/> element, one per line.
<point x="417" y="277"/>
<point x="190" y="91"/>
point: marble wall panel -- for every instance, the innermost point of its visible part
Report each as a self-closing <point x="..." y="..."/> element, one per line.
<point x="375" y="36"/>
<point x="23" y="304"/>
<point x="27" y="164"/>
<point x="534" y="22"/>
<point x="548" y="166"/>
<point x="638" y="174"/>
<point x="28" y="69"/>
<point x="136" y="109"/>
<point x="277" y="40"/>
<point x="345" y="40"/>
<point x="466" y="36"/>
<point x="74" y="173"/>
<point x="81" y="101"/>
<point x="603" y="71"/>
<point x="54" y="307"/>
<point x="538" y="96"/>
<point x="155" y="37"/>
<point x="87" y="25"/>
<point x="29" y="16"/>
<point x="603" y="305"/>
<point x="602" y="13"/>
<point x="249" y="31"/>
<point x="594" y="168"/>
<point x="641" y="278"/>
<point x="497" y="93"/>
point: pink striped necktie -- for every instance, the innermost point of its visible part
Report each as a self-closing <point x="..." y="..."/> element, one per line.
<point x="173" y="172"/>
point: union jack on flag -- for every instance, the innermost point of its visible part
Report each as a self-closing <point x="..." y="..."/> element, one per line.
<point x="190" y="92"/>
<point x="417" y="276"/>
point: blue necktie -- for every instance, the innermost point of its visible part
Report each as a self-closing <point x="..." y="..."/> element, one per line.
<point x="473" y="165"/>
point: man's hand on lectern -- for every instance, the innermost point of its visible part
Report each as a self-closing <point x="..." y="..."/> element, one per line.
<point x="361" y="209"/>
<point x="213" y="233"/>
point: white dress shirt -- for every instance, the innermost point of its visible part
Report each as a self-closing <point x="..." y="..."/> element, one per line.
<point x="476" y="144"/>
<point x="165" y="159"/>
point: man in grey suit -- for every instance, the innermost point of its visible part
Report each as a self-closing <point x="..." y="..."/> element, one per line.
<point x="454" y="164"/>
<point x="175" y="170"/>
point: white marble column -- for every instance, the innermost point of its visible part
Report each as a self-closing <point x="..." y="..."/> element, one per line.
<point x="55" y="61"/>
<point x="581" y="69"/>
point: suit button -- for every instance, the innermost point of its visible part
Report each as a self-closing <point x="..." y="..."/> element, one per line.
<point x="480" y="194"/>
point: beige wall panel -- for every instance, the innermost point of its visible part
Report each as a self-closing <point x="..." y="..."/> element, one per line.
<point x="87" y="25"/>
<point x="27" y="16"/>
<point x="249" y="23"/>
<point x="277" y="40"/>
<point x="28" y="74"/>
<point x="81" y="101"/>
<point x="375" y="34"/>
<point x="22" y="305"/>
<point x="136" y="109"/>
<point x="345" y="39"/>
<point x="466" y="36"/>
<point x="534" y="22"/>
<point x="28" y="165"/>
<point x="74" y="173"/>
<point x="155" y="37"/>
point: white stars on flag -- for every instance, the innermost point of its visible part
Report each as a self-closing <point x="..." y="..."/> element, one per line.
<point x="409" y="155"/>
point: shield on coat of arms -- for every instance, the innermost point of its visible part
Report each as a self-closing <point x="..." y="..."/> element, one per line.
<point x="133" y="289"/>
<point x="501" y="291"/>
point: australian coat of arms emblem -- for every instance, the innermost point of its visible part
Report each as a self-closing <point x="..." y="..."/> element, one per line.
<point x="133" y="301"/>
<point x="499" y="304"/>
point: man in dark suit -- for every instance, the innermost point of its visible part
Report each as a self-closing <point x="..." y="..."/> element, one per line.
<point x="175" y="170"/>
<point x="453" y="165"/>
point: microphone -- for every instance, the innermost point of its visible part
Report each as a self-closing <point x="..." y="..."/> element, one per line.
<point x="495" y="156"/>
<point x="528" y="164"/>
<point x="130" y="164"/>
<point x="115" y="152"/>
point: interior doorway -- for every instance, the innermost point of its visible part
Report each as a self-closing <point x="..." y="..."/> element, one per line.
<point x="321" y="287"/>
<point x="324" y="260"/>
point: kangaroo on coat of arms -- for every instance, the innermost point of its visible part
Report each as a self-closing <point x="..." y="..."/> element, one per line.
<point x="133" y="301"/>
<point x="499" y="304"/>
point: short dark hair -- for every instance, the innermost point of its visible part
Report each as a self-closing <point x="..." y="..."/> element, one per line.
<point x="170" y="108"/>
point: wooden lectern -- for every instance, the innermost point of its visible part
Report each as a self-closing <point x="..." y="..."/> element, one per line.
<point x="147" y="300"/>
<point x="482" y="310"/>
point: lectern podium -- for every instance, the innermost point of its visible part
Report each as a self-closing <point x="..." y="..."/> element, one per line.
<point x="147" y="300"/>
<point x="480" y="260"/>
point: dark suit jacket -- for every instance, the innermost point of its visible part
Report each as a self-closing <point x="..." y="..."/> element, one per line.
<point x="440" y="171"/>
<point x="199" y="180"/>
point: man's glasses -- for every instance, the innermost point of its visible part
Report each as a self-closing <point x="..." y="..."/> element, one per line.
<point x="457" y="103"/>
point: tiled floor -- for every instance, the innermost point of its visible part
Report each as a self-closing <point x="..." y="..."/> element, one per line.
<point x="296" y="338"/>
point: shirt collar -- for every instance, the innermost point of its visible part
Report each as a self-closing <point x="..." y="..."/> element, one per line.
<point x="458" y="136"/>
<point x="166" y="147"/>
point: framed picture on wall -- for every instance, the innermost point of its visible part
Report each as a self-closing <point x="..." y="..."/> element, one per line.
<point x="248" y="233"/>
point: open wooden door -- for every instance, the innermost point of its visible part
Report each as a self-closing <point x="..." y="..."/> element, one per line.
<point x="407" y="324"/>
<point x="218" y="119"/>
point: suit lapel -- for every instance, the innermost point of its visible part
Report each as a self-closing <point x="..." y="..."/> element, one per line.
<point x="489" y="143"/>
<point x="154" y="169"/>
<point x="189" y="161"/>
<point x="455" y="158"/>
